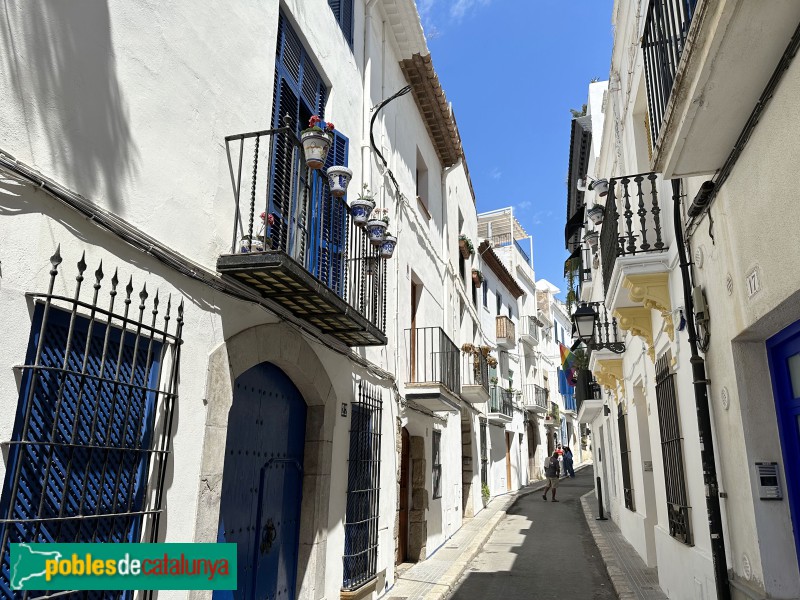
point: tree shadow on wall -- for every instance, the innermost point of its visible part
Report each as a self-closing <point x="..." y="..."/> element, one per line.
<point x="61" y="61"/>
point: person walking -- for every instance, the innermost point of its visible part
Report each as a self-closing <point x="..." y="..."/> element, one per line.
<point x="551" y="470"/>
<point x="568" y="462"/>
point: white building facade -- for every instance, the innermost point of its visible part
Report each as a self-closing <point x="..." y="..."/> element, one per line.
<point x="693" y="426"/>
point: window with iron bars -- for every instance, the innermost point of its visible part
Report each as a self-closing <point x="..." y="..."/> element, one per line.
<point x="484" y="425"/>
<point x="363" y="489"/>
<point x="678" y="510"/>
<point x="88" y="455"/>
<point x="625" y="457"/>
<point x="437" y="464"/>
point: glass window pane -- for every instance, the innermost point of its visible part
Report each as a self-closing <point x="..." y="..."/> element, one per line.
<point x="794" y="373"/>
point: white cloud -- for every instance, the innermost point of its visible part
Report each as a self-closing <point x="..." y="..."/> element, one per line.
<point x="459" y="8"/>
<point x="495" y="173"/>
<point x="524" y="204"/>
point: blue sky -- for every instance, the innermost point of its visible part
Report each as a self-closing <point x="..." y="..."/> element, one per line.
<point x="513" y="69"/>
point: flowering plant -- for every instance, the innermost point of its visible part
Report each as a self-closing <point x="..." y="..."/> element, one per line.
<point x="314" y="126"/>
<point x="380" y="214"/>
<point x="270" y="219"/>
<point x="365" y="193"/>
<point x="467" y="243"/>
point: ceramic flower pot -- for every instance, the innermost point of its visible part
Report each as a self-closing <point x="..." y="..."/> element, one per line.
<point x="388" y="245"/>
<point x="591" y="239"/>
<point x="596" y="214"/>
<point x="360" y="210"/>
<point x="338" y="178"/>
<point x="601" y="187"/>
<point x="376" y="230"/>
<point x="316" y="145"/>
<point x="477" y="279"/>
<point x="251" y="245"/>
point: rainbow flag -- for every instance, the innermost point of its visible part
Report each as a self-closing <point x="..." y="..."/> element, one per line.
<point x="568" y="363"/>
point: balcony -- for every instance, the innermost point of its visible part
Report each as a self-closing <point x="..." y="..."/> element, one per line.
<point x="434" y="370"/>
<point x="506" y="239"/>
<point x="474" y="377"/>
<point x="501" y="405"/>
<point x="506" y="332"/>
<point x="706" y="59"/>
<point x="632" y="230"/>
<point x="535" y="398"/>
<point x="294" y="243"/>
<point x="529" y="331"/>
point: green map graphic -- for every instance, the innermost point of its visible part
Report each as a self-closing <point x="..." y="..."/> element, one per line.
<point x="27" y="565"/>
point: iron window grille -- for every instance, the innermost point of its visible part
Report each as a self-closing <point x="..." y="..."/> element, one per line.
<point x="437" y="464"/>
<point x="92" y="434"/>
<point x="678" y="510"/>
<point x="363" y="489"/>
<point x="484" y="425"/>
<point x="625" y="457"/>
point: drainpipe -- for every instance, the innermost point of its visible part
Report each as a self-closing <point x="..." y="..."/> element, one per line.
<point x="366" y="83"/>
<point x="700" y="383"/>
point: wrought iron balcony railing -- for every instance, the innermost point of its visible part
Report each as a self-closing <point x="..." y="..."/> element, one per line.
<point x="433" y="358"/>
<point x="475" y="369"/>
<point x="501" y="401"/>
<point x="506" y="239"/>
<point x="529" y="330"/>
<point x="535" y="396"/>
<point x="294" y="242"/>
<point x="666" y="27"/>
<point x="632" y="220"/>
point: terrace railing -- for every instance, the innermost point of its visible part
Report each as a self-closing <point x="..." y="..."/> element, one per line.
<point x="433" y="358"/>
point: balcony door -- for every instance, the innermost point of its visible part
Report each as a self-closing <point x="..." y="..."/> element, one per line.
<point x="784" y="361"/>
<point x="413" y="340"/>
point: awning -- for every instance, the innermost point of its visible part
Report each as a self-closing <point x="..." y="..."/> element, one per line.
<point x="573" y="225"/>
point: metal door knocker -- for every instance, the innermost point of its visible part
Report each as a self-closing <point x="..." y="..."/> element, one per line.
<point x="268" y="537"/>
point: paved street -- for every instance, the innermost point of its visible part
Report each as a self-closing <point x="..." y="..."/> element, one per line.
<point x="540" y="550"/>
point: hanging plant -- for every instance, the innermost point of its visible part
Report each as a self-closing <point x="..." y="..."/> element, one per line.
<point x="377" y="226"/>
<point x="465" y="246"/>
<point x="477" y="278"/>
<point x="468" y="348"/>
<point x="361" y="208"/>
<point x="338" y="179"/>
<point x="388" y="245"/>
<point x="316" y="142"/>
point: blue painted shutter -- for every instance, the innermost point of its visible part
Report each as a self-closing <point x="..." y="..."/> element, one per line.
<point x="330" y="222"/>
<point x="343" y="13"/>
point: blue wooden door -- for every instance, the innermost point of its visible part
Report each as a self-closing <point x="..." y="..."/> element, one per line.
<point x="784" y="361"/>
<point x="262" y="483"/>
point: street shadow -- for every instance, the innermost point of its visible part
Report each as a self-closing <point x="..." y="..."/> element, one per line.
<point x="60" y="59"/>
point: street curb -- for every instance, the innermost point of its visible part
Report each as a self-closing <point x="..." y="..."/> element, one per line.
<point x="456" y="570"/>
<point x="615" y="573"/>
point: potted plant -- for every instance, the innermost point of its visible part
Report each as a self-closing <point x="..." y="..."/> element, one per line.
<point x="493" y="380"/>
<point x="377" y="226"/>
<point x="388" y="245"/>
<point x="262" y="239"/>
<point x="338" y="179"/>
<point x="600" y="186"/>
<point x="465" y="246"/>
<point x="468" y="348"/>
<point x="591" y="238"/>
<point x="477" y="278"/>
<point x="362" y="207"/>
<point x="485" y="495"/>
<point x="596" y="214"/>
<point x="492" y="362"/>
<point x="316" y="142"/>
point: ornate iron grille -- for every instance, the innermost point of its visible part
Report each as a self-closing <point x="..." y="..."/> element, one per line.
<point x="92" y="434"/>
<point x="475" y="369"/>
<point x="635" y="230"/>
<point x="484" y="454"/>
<point x="678" y="511"/>
<point x="625" y="457"/>
<point x="665" y="30"/>
<point x="363" y="488"/>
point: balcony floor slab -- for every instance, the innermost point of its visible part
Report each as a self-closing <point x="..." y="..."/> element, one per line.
<point x="274" y="275"/>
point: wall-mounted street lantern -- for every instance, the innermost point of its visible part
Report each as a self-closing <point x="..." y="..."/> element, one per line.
<point x="598" y="333"/>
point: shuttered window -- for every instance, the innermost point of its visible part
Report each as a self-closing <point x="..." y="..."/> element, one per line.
<point x="343" y="13"/>
<point x="309" y="224"/>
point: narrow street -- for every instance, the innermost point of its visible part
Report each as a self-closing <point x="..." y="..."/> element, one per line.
<point x="540" y="550"/>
